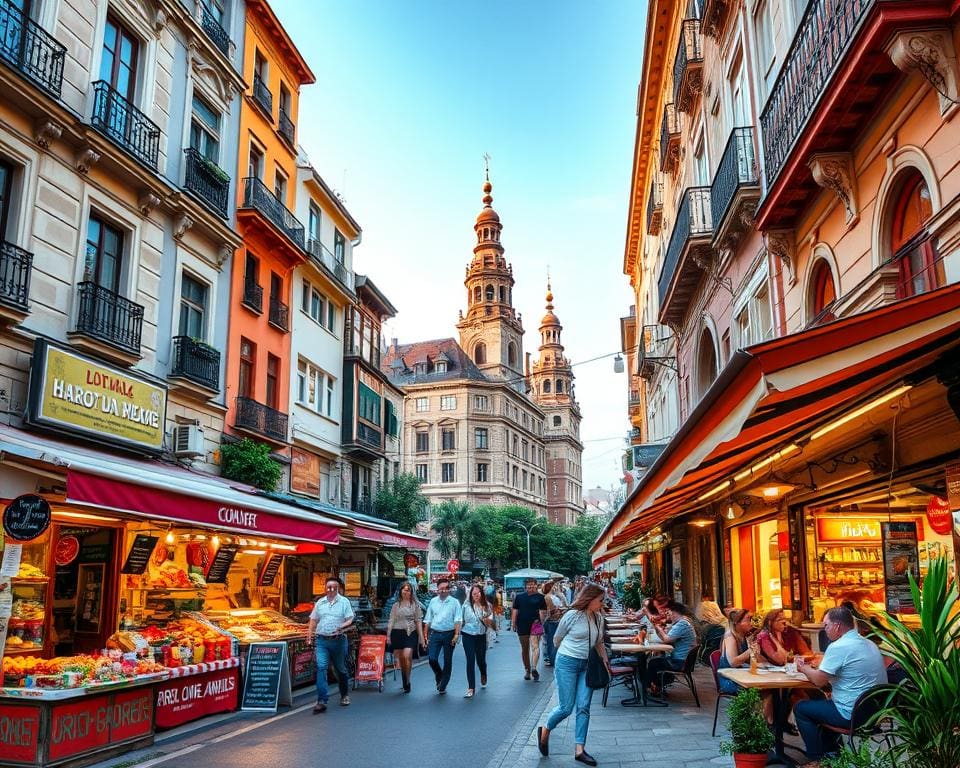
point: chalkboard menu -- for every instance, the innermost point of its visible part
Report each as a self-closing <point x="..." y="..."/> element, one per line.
<point x="268" y="574"/>
<point x="139" y="554"/>
<point x="26" y="517"/>
<point x="266" y="678"/>
<point x="217" y="573"/>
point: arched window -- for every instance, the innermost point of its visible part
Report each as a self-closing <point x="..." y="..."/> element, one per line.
<point x="914" y="251"/>
<point x="706" y="363"/>
<point x="480" y="353"/>
<point x="511" y="354"/>
<point x="822" y="292"/>
<point x="477" y="295"/>
<point x="546" y="386"/>
<point x="559" y="386"/>
<point x="503" y="295"/>
<point x="490" y="293"/>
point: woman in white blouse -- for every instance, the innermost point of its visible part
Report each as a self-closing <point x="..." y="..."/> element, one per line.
<point x="477" y="618"/>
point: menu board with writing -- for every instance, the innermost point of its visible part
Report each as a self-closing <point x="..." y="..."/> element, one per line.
<point x="26" y="517"/>
<point x="266" y="678"/>
<point x="268" y="574"/>
<point x="139" y="555"/>
<point x="900" y="559"/>
<point x="217" y="573"/>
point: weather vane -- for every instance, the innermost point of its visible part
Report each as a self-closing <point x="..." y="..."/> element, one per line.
<point x="486" y="164"/>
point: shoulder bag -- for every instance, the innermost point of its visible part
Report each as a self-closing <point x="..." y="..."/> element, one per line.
<point x="597" y="675"/>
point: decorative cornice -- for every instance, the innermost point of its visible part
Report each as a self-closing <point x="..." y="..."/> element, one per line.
<point x="834" y="171"/>
<point x="147" y="201"/>
<point x="180" y="226"/>
<point x="780" y="243"/>
<point x="45" y="131"/>
<point x="931" y="52"/>
<point x="85" y="158"/>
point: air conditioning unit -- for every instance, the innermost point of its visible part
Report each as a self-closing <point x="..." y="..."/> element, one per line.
<point x="188" y="441"/>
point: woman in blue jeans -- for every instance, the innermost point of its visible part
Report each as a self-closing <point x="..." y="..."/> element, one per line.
<point x="580" y="628"/>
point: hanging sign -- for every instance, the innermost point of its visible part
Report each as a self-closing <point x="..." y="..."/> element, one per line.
<point x="268" y="574"/>
<point x="68" y="547"/>
<point x="26" y="517"/>
<point x="221" y="564"/>
<point x="939" y="515"/>
<point x="900" y="559"/>
<point x="139" y="554"/>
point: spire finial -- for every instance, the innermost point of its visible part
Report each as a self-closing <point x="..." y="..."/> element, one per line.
<point x="487" y="186"/>
<point x="549" y="292"/>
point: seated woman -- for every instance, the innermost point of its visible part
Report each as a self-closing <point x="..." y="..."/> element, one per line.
<point x="777" y="639"/>
<point x="735" y="648"/>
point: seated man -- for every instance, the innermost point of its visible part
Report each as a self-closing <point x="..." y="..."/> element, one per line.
<point x="852" y="665"/>
<point x="681" y="635"/>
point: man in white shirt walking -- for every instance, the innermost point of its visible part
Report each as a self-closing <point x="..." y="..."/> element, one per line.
<point x="331" y="615"/>
<point x="441" y="625"/>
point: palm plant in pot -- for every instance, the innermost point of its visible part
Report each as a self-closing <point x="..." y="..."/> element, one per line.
<point x="750" y="736"/>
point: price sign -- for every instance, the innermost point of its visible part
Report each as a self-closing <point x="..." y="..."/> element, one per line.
<point x="26" y="517"/>
<point x="266" y="678"/>
<point x="217" y="574"/>
<point x="268" y="574"/>
<point x="139" y="554"/>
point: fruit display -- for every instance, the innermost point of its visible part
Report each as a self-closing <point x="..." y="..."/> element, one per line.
<point x="181" y="642"/>
<point x="256" y="625"/>
<point x="74" y="671"/>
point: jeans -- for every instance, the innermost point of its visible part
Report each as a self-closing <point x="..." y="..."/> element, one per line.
<point x="570" y="675"/>
<point x="549" y="630"/>
<point x="809" y="715"/>
<point x="475" y="648"/>
<point x="441" y="641"/>
<point x="332" y="649"/>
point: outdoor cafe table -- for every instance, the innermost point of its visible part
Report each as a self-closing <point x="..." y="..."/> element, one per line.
<point x="642" y="651"/>
<point x="777" y="682"/>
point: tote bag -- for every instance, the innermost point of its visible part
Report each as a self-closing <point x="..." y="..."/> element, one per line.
<point x="597" y="675"/>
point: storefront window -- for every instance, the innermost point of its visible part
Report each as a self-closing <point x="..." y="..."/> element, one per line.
<point x="756" y="557"/>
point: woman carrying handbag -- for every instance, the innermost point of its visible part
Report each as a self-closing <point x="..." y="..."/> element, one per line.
<point x="477" y="619"/>
<point x="405" y="630"/>
<point x="579" y="641"/>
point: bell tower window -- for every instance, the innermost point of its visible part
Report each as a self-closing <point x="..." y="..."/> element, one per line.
<point x="546" y="387"/>
<point x="503" y="295"/>
<point x="480" y="353"/>
<point x="559" y="386"/>
<point x="490" y="293"/>
<point x="511" y="354"/>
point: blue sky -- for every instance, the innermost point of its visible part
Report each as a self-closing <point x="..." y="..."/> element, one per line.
<point x="408" y="98"/>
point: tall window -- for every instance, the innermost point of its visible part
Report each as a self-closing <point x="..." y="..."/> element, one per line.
<point x="483" y="472"/>
<point x="706" y="364"/>
<point x="104" y="256"/>
<point x="251" y="273"/>
<point x="823" y="292"/>
<point x="313" y="223"/>
<point x="422" y="473"/>
<point x="205" y="130"/>
<point x="280" y="186"/>
<point x="255" y="162"/>
<point x="423" y="441"/>
<point x="512" y="354"/>
<point x="480" y="438"/>
<point x="193" y="307"/>
<point x="448" y="439"/>
<point x="6" y="194"/>
<point x="423" y="404"/>
<point x="118" y="64"/>
<point x="480" y="353"/>
<point x="448" y="402"/>
<point x="248" y="361"/>
<point x="284" y="100"/>
<point x="339" y="246"/>
<point x="276" y="287"/>
<point x="330" y="399"/>
<point x="914" y="251"/>
<point x="273" y="381"/>
<point x="546" y="386"/>
<point x="449" y="474"/>
<point x="765" y="50"/>
<point x="369" y="405"/>
<point x="260" y="66"/>
<point x="480" y="402"/>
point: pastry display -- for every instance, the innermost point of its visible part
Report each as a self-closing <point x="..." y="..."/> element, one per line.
<point x="256" y="625"/>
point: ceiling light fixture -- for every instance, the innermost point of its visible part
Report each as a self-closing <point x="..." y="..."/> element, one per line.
<point x="858" y="412"/>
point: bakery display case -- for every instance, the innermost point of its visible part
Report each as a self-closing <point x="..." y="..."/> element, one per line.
<point x="256" y="625"/>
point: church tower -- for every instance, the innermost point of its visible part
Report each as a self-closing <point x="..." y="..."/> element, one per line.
<point x="553" y="390"/>
<point x="491" y="332"/>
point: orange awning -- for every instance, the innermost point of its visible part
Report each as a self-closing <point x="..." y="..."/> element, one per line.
<point x="773" y="393"/>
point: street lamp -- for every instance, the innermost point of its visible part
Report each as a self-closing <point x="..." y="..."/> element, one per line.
<point x="525" y="528"/>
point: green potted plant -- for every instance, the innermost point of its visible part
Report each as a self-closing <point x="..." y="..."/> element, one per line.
<point x="750" y="736"/>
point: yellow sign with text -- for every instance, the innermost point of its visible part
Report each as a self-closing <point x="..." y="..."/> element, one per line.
<point x="85" y="395"/>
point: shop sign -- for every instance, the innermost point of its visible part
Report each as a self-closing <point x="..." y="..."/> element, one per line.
<point x="370" y="658"/>
<point x="90" y="398"/>
<point x="939" y="515"/>
<point x="26" y="517"/>
<point x="900" y="559"/>
<point x="848" y="528"/>
<point x="19" y="729"/>
<point x="184" y="699"/>
<point x="645" y="454"/>
<point x="390" y="538"/>
<point x="305" y="473"/>
<point x="96" y="722"/>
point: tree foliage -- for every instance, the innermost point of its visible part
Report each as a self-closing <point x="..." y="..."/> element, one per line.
<point x="450" y="521"/>
<point x="249" y="462"/>
<point x="400" y="501"/>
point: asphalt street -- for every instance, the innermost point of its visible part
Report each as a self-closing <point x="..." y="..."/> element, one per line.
<point x="389" y="729"/>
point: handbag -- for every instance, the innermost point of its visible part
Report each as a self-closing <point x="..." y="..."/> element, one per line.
<point x="597" y="675"/>
<point x="536" y="629"/>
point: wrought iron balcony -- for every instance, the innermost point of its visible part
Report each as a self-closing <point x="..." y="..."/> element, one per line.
<point x="286" y="129"/>
<point x="655" y="208"/>
<point x="326" y="260"/>
<point x="736" y="184"/>
<point x="279" y="314"/>
<point x="15" y="264"/>
<point x="217" y="34"/>
<point x="688" y="66"/>
<point x="260" y="418"/>
<point x="262" y="95"/>
<point x="692" y="229"/>
<point x="258" y="197"/>
<point x="669" y="139"/>
<point x="125" y="125"/>
<point x="197" y="362"/>
<point x="108" y="317"/>
<point x="26" y="47"/>
<point x="253" y="295"/>
<point x="207" y="180"/>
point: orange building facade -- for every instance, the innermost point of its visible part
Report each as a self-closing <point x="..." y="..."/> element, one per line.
<point x="258" y="354"/>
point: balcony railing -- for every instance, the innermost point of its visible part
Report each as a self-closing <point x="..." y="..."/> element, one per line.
<point x="822" y="39"/>
<point x="109" y="317"/>
<point x="738" y="168"/>
<point x="196" y="361"/>
<point x="206" y="179"/>
<point x="322" y="256"/>
<point x="687" y="65"/>
<point x="28" y="48"/>
<point x="217" y="34"/>
<point x="693" y="220"/>
<point x="286" y="129"/>
<point x="261" y="419"/>
<point x="124" y="124"/>
<point x="279" y="314"/>
<point x="655" y="208"/>
<point x="15" y="266"/>
<point x="262" y="95"/>
<point x="369" y="435"/>
<point x="253" y="295"/>
<point x="257" y="196"/>
<point x="669" y="137"/>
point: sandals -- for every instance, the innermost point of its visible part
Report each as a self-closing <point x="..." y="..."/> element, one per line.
<point x="468" y="694"/>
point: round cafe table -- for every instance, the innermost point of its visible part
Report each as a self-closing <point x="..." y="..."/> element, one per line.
<point x="642" y="651"/>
